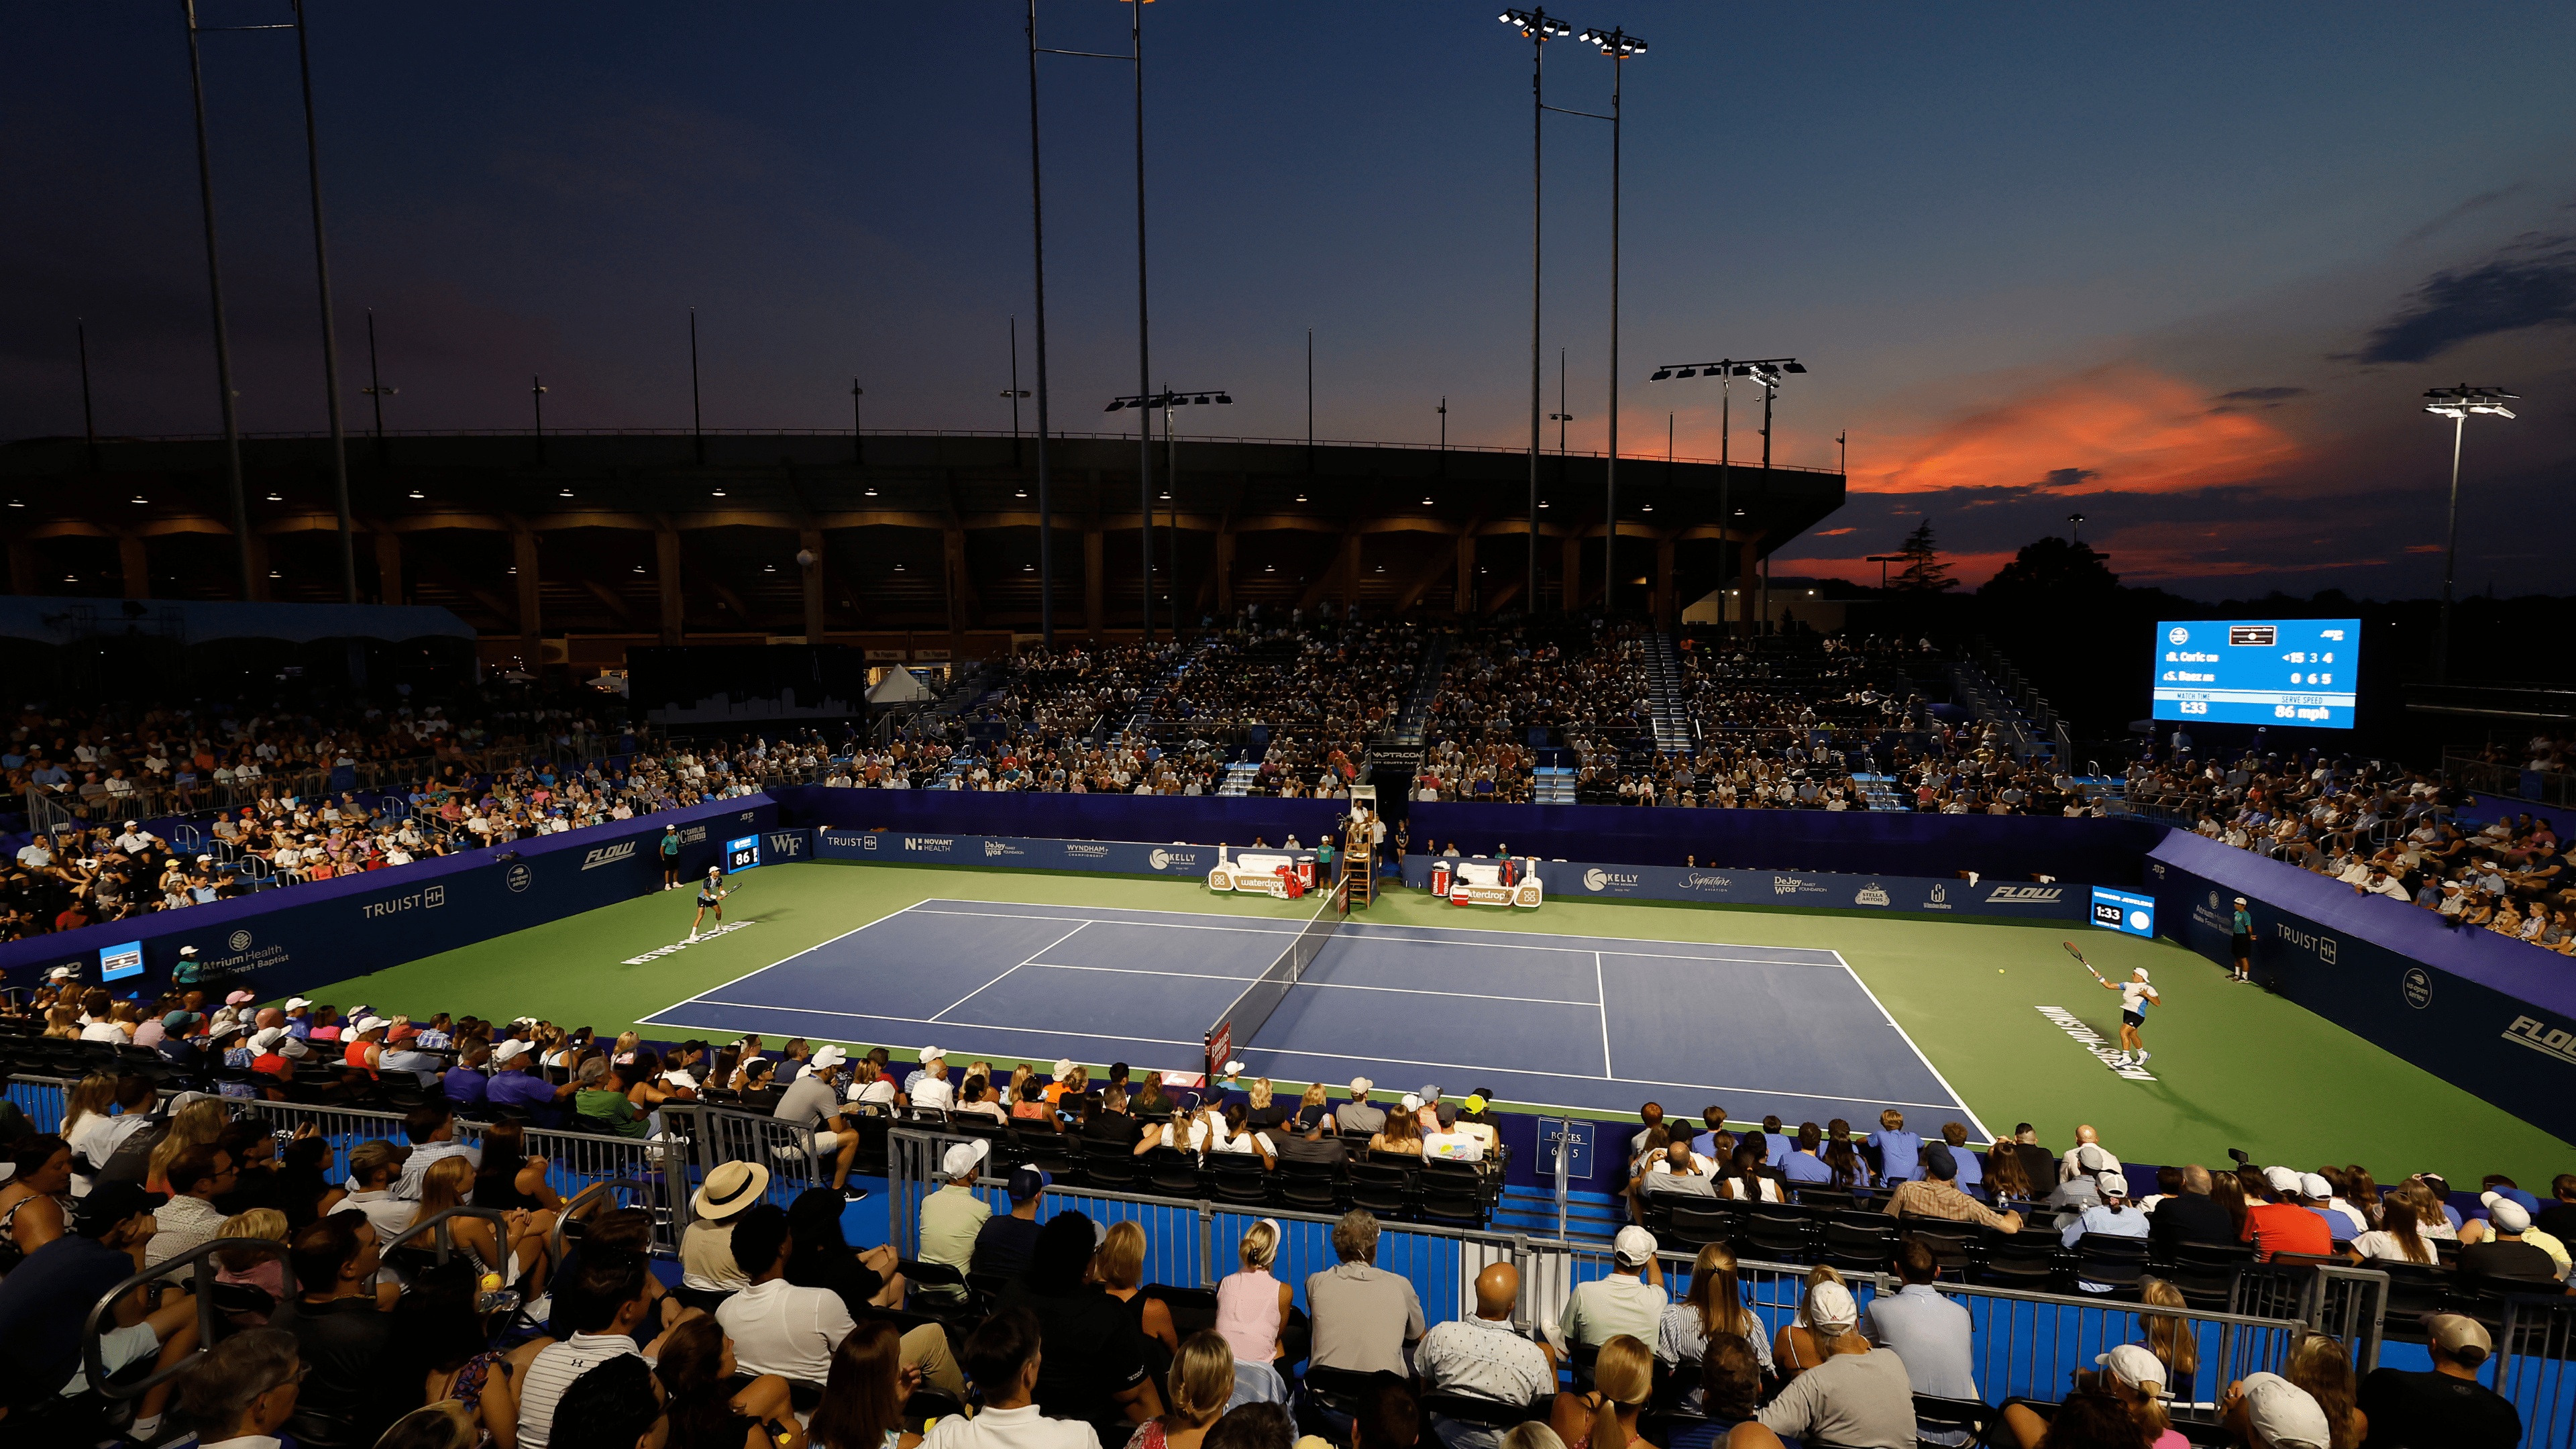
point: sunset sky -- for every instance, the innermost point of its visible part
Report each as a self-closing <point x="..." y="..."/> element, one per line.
<point x="2184" y="269"/>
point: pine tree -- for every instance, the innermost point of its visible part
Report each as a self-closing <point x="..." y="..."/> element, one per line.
<point x="1924" y="573"/>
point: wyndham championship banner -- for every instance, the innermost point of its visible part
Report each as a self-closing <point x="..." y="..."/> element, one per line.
<point x="1016" y="852"/>
<point x="1588" y="880"/>
<point x="294" y="938"/>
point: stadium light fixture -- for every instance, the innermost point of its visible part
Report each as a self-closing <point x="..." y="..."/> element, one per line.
<point x="1764" y="372"/>
<point x="2457" y="404"/>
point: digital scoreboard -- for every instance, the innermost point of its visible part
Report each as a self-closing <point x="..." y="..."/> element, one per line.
<point x="116" y="963"/>
<point x="2124" y="911"/>
<point x="2258" y="671"/>
<point x="742" y="853"/>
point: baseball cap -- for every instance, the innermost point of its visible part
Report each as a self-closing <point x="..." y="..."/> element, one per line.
<point x="1362" y="1086"/>
<point x="2140" y="973"/>
<point x="2110" y="1184"/>
<point x="2283" y="1179"/>
<point x="963" y="1158"/>
<point x="2240" y="900"/>
<point x="931" y="1054"/>
<point x="2136" y="1366"/>
<point x="1633" y="1245"/>
<point x="1475" y="1104"/>
<point x="511" y="1051"/>
<point x="826" y="1057"/>
<point x="1831" y="1303"/>
<point x="223" y="1029"/>
<point x="2452" y="1332"/>
<point x="1940" y="1161"/>
<point x="1028" y="1182"/>
<point x="1429" y="1093"/>
<point x="188" y="953"/>
<point x="180" y="1020"/>
<point x="2092" y="1158"/>
<point x="297" y="1003"/>
<point x="370" y="1023"/>
<point x="1410" y="1102"/>
<point x="2507" y="1214"/>
<point x="267" y="1038"/>
<point x="2284" y="1415"/>
<point x="62" y="973"/>
<point x="111" y="1203"/>
<point x="239" y="998"/>
<point x="2314" y="1185"/>
<point x="1448" y="1114"/>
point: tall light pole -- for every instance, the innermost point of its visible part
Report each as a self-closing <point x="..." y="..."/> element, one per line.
<point x="1621" y="47"/>
<point x="858" y="425"/>
<point x="1768" y="372"/>
<point x="1135" y="57"/>
<point x="330" y="332"/>
<point x="215" y="295"/>
<point x="2456" y="403"/>
<point x="1540" y="28"/>
<point x="376" y="390"/>
<point x="537" y="400"/>
<point x="1015" y="392"/>
<point x="89" y="419"/>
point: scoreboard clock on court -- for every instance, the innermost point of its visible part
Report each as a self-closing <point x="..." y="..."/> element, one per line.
<point x="2121" y="911"/>
<point x="742" y="853"/>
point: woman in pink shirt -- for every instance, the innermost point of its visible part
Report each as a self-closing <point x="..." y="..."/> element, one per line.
<point x="1251" y="1305"/>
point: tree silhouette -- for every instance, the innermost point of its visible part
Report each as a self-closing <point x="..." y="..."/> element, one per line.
<point x="1924" y="573"/>
<point x="2052" y="569"/>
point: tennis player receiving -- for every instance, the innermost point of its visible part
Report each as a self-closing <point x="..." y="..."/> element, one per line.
<point x="711" y="894"/>
<point x="2135" y="997"/>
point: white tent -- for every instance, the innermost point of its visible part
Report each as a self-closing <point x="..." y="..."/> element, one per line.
<point x="900" y="686"/>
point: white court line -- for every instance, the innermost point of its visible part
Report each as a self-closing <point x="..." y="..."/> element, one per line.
<point x="1299" y="985"/>
<point x="781" y="961"/>
<point x="1348" y="1056"/>
<point x="1601" y="1000"/>
<point x="1978" y="1128"/>
<point x="996" y="981"/>
<point x="1388" y="933"/>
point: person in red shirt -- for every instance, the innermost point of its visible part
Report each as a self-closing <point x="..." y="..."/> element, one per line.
<point x="2284" y="1222"/>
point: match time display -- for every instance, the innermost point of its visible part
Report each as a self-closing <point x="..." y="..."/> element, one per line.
<point x="2258" y="671"/>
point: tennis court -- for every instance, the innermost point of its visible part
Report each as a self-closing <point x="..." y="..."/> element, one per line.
<point x="1566" y="1021"/>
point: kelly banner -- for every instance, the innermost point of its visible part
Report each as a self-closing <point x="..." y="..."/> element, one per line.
<point x="1589" y="880"/>
<point x="1015" y="852"/>
<point x="2386" y="971"/>
<point x="292" y="938"/>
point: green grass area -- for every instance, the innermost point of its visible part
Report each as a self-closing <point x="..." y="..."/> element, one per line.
<point x="2235" y="1066"/>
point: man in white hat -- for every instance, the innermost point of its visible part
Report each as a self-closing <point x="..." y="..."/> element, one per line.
<point x="929" y="1088"/>
<point x="299" y="1018"/>
<point x="2504" y="1255"/>
<point x="1631" y="1300"/>
<point x="952" y="1217"/>
<point x="2447" y="1406"/>
<point x="515" y="1083"/>
<point x="2240" y="942"/>
<point x="813" y="1099"/>
<point x="1356" y="1115"/>
<point x="707" y="1263"/>
<point x="2135" y="997"/>
<point x="1857" y="1395"/>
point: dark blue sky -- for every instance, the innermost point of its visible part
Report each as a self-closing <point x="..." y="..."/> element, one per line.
<point x="2181" y="269"/>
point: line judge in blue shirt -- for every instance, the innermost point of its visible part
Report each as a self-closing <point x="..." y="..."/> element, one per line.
<point x="1900" y="1153"/>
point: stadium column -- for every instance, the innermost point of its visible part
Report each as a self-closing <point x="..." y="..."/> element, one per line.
<point x="135" y="562"/>
<point x="255" y="549"/>
<point x="1570" y="593"/>
<point x="810" y="540"/>
<point x="389" y="567"/>
<point x="531" y="624"/>
<point x="1664" y="581"/>
<point x="666" y="570"/>
<point x="1463" y="596"/>
<point x="1093" y="552"/>
<point x="1350" y="573"/>
<point x="22" y="566"/>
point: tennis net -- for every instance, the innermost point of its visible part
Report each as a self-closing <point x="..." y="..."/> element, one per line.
<point x="1243" y="1020"/>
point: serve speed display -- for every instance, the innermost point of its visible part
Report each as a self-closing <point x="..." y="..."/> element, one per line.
<point x="742" y="853"/>
<point x="2258" y="671"/>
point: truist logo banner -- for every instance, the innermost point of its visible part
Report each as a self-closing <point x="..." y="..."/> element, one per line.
<point x="428" y="899"/>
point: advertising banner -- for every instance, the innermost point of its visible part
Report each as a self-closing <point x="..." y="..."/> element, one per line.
<point x="292" y="938"/>
<point x="1014" y="852"/>
<point x="2388" y="972"/>
<point x="1587" y="880"/>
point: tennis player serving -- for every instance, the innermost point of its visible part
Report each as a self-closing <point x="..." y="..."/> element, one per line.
<point x="2135" y="997"/>
<point x="711" y="897"/>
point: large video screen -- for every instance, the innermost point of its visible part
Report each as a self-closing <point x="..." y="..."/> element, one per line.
<point x="2258" y="671"/>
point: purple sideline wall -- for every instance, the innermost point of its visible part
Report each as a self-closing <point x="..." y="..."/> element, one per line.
<point x="276" y="942"/>
<point x="2387" y="971"/>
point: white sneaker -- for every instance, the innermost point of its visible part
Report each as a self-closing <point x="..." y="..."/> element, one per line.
<point x="2142" y="1058"/>
<point x="693" y="935"/>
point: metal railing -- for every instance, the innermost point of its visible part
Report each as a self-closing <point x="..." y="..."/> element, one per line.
<point x="2553" y="787"/>
<point x="2535" y="1366"/>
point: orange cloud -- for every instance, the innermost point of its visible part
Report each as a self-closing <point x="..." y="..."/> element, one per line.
<point x="2120" y="427"/>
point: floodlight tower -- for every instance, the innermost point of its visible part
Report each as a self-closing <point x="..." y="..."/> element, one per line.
<point x="1767" y="371"/>
<point x="2456" y="403"/>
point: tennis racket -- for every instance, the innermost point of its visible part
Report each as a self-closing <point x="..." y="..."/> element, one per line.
<point x="2080" y="961"/>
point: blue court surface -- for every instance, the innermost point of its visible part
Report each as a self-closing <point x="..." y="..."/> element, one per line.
<point x="1557" y="1021"/>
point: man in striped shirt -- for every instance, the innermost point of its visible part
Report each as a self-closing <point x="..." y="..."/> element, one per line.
<point x="604" y="1302"/>
<point x="1936" y="1195"/>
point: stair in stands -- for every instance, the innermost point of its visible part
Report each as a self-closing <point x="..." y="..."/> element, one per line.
<point x="1664" y="695"/>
